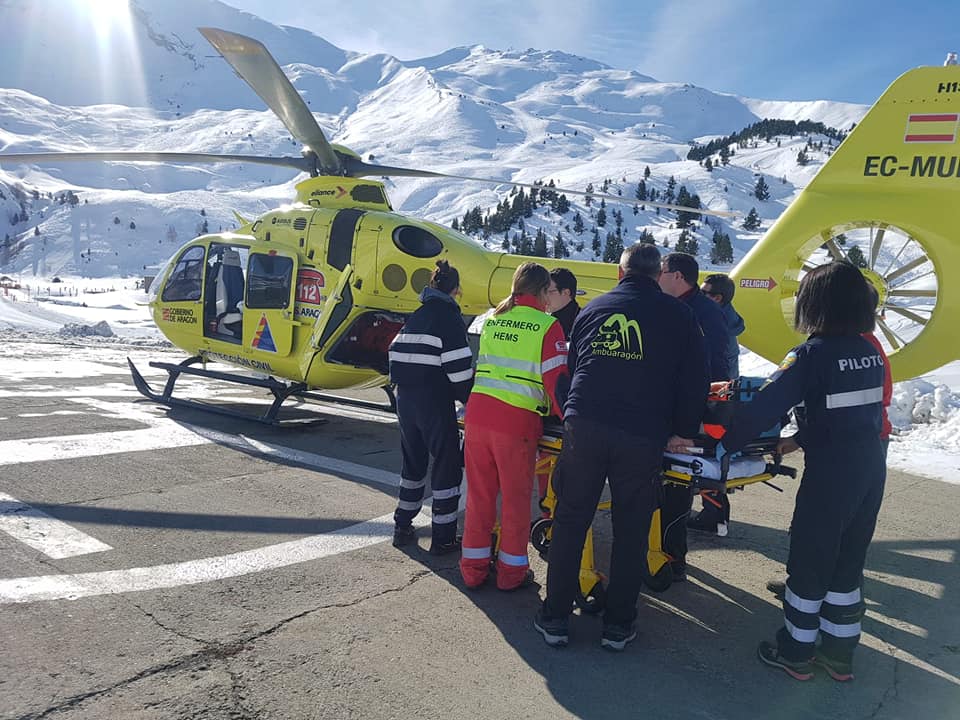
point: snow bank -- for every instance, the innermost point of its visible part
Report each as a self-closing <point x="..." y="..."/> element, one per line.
<point x="100" y="329"/>
<point x="926" y="421"/>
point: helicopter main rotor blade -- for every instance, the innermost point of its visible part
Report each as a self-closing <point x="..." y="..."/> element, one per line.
<point x="254" y="63"/>
<point x="358" y="168"/>
<point x="302" y="164"/>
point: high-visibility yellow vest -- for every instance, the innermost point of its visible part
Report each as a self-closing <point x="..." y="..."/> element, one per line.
<point x="508" y="364"/>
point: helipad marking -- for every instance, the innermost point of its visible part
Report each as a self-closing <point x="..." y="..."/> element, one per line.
<point x="29" y="450"/>
<point x="54" y="538"/>
<point x="192" y="572"/>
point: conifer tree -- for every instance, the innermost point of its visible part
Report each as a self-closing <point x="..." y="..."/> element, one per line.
<point x="578" y="223"/>
<point x="722" y="251"/>
<point x="613" y="248"/>
<point x="588" y="198"/>
<point x="646" y="173"/>
<point x="560" y="247"/>
<point x="708" y="165"/>
<point x="595" y="244"/>
<point x="725" y="155"/>
<point x="647" y="237"/>
<point x="601" y="217"/>
<point x="855" y="255"/>
<point x="752" y="221"/>
<point x="540" y="244"/>
<point x="642" y="190"/>
<point x="761" y="191"/>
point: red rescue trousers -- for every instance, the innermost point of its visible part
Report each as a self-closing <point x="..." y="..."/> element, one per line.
<point x="497" y="463"/>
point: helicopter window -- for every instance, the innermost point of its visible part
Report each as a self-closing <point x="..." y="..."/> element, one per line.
<point x="184" y="282"/>
<point x="340" y="247"/>
<point x="269" y="281"/>
<point x="368" y="193"/>
<point x="417" y="241"/>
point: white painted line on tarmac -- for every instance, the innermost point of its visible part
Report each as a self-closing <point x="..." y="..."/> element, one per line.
<point x="13" y="452"/>
<point x="192" y="572"/>
<point x="54" y="538"/>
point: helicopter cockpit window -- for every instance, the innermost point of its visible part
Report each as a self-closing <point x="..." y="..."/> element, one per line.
<point x="417" y="241"/>
<point x="184" y="282"/>
<point x="269" y="281"/>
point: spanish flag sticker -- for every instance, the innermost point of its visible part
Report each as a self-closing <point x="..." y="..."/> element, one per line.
<point x="931" y="128"/>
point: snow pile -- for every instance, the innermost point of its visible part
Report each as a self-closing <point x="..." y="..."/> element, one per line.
<point x="926" y="421"/>
<point x="100" y="329"/>
<point x="923" y="403"/>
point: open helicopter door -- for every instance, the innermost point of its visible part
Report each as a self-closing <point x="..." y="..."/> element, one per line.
<point x="268" y="320"/>
<point x="335" y="310"/>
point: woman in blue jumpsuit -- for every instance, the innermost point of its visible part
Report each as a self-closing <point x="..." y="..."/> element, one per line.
<point x="431" y="365"/>
<point x="835" y="382"/>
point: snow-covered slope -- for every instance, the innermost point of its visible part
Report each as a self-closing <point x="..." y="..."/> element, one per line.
<point x="148" y="80"/>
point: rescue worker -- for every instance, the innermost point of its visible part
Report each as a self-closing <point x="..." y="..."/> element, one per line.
<point x="562" y="303"/>
<point x="789" y="445"/>
<point x="520" y="368"/>
<point x="680" y="278"/>
<point x="715" y="514"/>
<point x="431" y="365"/>
<point x="834" y="381"/>
<point x="637" y="361"/>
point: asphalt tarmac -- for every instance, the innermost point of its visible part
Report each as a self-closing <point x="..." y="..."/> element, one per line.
<point x="161" y="563"/>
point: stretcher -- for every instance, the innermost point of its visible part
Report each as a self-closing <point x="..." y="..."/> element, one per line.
<point x="699" y="469"/>
<point x="758" y="462"/>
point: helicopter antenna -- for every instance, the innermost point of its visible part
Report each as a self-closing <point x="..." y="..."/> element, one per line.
<point x="256" y="66"/>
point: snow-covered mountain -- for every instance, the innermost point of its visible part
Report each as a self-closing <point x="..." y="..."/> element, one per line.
<point x="148" y="80"/>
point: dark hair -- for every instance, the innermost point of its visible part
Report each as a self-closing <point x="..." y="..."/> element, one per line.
<point x="445" y="278"/>
<point x="685" y="264"/>
<point x="874" y="295"/>
<point x="529" y="279"/>
<point x="834" y="300"/>
<point x="564" y="280"/>
<point x="641" y="259"/>
<point x="721" y="285"/>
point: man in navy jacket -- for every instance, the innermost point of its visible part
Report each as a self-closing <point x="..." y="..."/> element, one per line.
<point x="638" y="376"/>
<point x="680" y="277"/>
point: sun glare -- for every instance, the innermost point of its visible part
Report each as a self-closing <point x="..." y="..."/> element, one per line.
<point x="108" y="12"/>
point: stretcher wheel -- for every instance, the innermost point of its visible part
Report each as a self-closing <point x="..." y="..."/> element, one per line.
<point x="660" y="580"/>
<point x="594" y="601"/>
<point x="540" y="535"/>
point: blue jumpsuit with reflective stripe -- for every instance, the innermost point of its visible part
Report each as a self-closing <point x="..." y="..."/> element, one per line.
<point x="836" y="386"/>
<point x="432" y="366"/>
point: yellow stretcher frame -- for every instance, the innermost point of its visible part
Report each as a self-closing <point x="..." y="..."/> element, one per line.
<point x="591" y="593"/>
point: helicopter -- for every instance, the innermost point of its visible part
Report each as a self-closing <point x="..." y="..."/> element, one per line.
<point x="309" y="296"/>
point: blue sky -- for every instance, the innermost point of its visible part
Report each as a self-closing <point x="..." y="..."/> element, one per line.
<point x="819" y="49"/>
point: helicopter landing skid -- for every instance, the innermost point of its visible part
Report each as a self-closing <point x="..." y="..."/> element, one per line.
<point x="280" y="391"/>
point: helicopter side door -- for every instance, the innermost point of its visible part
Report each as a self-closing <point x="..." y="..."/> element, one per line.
<point x="268" y="306"/>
